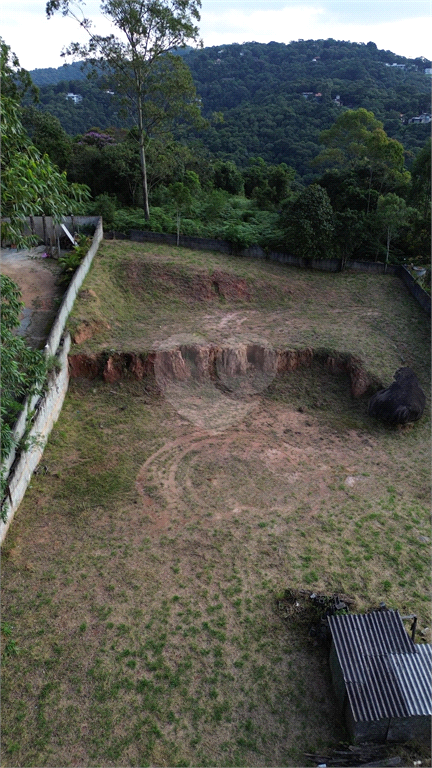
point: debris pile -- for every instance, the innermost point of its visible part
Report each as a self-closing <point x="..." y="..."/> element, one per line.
<point x="313" y="609"/>
<point x="364" y="755"/>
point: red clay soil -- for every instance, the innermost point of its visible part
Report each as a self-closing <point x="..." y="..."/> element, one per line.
<point x="198" y="286"/>
<point x="211" y="363"/>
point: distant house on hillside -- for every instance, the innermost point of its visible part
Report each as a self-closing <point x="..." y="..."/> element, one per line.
<point x="381" y="678"/>
<point x="420" y="119"/>
<point x="75" y="97"/>
<point x="428" y="71"/>
<point x="311" y="94"/>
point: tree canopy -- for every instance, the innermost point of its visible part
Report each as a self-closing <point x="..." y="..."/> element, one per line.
<point x="274" y="99"/>
<point x="139" y="63"/>
<point x="308" y="224"/>
<point x="31" y="184"/>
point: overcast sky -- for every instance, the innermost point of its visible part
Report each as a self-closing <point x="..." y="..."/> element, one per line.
<point x="401" y="26"/>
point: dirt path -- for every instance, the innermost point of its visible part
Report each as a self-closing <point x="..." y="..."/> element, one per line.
<point x="36" y="277"/>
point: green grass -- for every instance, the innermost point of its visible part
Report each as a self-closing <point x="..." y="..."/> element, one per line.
<point x="140" y="627"/>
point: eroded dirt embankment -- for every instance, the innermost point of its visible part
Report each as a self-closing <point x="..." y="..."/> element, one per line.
<point x="253" y="365"/>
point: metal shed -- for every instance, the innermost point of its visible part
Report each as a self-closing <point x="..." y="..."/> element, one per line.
<point x="382" y="679"/>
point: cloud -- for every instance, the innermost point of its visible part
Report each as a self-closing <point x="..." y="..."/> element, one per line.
<point x="38" y="42"/>
<point x="236" y="26"/>
<point x="409" y="37"/>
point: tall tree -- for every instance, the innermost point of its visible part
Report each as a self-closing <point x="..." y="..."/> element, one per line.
<point x="47" y="135"/>
<point x="140" y="61"/>
<point x="269" y="185"/>
<point x="308" y="224"/>
<point x="421" y="178"/>
<point x="392" y="213"/>
<point x="16" y="82"/>
<point x="358" y="140"/>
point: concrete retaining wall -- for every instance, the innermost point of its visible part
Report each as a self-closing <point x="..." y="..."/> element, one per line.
<point x="46" y="416"/>
<point x="44" y="410"/>
<point x="71" y="293"/>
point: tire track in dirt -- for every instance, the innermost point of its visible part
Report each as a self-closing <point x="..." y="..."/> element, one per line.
<point x="258" y="470"/>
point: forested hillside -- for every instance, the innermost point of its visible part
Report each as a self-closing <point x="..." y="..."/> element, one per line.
<point x="97" y="107"/>
<point x="273" y="100"/>
<point x="277" y="98"/>
<point x="52" y="75"/>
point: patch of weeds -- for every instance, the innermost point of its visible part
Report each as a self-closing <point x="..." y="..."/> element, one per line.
<point x="102" y="611"/>
<point x="221" y="710"/>
<point x="12" y="747"/>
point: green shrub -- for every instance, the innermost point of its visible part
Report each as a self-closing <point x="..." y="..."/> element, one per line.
<point x="240" y="235"/>
<point x="23" y="370"/>
<point x="105" y="205"/>
<point x="126" y="219"/>
<point x="71" y="261"/>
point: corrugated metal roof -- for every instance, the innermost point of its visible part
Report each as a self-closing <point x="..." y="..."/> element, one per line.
<point x="385" y="673"/>
<point x="408" y="668"/>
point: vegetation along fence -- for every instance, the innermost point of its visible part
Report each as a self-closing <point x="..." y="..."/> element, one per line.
<point x="40" y="412"/>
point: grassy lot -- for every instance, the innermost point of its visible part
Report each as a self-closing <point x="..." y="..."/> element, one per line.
<point x="142" y="571"/>
<point x="146" y="293"/>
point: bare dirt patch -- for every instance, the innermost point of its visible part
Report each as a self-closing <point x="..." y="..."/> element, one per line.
<point x="192" y="287"/>
<point x="278" y="452"/>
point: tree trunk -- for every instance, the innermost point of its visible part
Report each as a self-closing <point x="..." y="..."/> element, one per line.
<point x="388" y="249"/>
<point x="343" y="260"/>
<point x="178" y="227"/>
<point x="143" y="160"/>
<point x="369" y="190"/>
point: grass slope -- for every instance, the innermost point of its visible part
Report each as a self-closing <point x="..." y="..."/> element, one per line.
<point x="147" y="293"/>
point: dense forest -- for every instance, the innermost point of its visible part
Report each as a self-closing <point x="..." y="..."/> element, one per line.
<point x="270" y="101"/>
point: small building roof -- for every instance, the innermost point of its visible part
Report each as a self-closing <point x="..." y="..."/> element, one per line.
<point x="385" y="673"/>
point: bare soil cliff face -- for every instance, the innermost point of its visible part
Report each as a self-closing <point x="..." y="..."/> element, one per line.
<point x="245" y="367"/>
